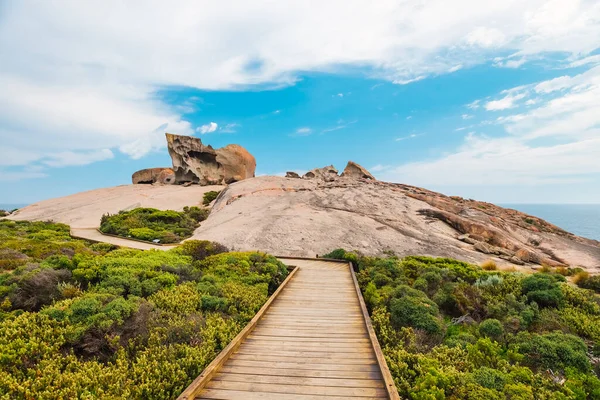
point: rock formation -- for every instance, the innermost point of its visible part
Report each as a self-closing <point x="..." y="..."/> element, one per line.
<point x="291" y="174"/>
<point x="163" y="176"/>
<point x="356" y="171"/>
<point x="197" y="163"/>
<point x="327" y="174"/>
<point x="304" y="217"/>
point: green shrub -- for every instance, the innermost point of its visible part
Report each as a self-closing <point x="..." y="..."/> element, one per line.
<point x="489" y="378"/>
<point x="543" y="289"/>
<point x="556" y="351"/>
<point x="590" y="282"/>
<point x="149" y="224"/>
<point x="209" y="197"/>
<point x="491" y="328"/>
<point x="88" y="321"/>
<point x="411" y="308"/>
<point x="496" y="344"/>
<point x="200" y="249"/>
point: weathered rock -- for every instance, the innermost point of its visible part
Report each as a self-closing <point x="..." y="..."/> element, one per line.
<point x="484" y="248"/>
<point x="197" y="163"/>
<point x="356" y="171"/>
<point x="164" y="176"/>
<point x="291" y="174"/>
<point x="327" y="174"/>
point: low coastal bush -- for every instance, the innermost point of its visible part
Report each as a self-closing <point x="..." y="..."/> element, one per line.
<point x="453" y="330"/>
<point x="150" y="224"/>
<point x="209" y="197"/>
<point x="81" y="320"/>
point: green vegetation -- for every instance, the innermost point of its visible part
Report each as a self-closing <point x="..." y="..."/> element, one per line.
<point x="3" y="213"/>
<point x="209" y="197"/>
<point x="586" y="281"/>
<point x="81" y="320"/>
<point x="453" y="330"/>
<point x="150" y="224"/>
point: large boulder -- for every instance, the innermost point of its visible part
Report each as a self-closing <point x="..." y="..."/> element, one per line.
<point x="356" y="171"/>
<point x="327" y="174"/>
<point x="197" y="163"/>
<point x="163" y="176"/>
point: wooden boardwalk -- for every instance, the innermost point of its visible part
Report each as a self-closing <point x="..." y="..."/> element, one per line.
<point x="311" y="341"/>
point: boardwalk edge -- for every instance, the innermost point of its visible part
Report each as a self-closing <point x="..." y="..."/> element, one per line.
<point x="211" y="370"/>
<point x="390" y="386"/>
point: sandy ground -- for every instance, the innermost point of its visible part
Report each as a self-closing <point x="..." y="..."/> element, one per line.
<point x="84" y="210"/>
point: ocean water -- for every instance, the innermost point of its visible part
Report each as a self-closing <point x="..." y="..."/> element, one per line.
<point x="580" y="219"/>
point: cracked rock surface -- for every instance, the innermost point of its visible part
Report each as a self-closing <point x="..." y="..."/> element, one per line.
<point x="304" y="217"/>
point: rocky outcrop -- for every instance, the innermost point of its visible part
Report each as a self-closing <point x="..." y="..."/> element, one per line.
<point x="356" y="171"/>
<point x="291" y="174"/>
<point x="304" y="217"/>
<point x="194" y="162"/>
<point x="327" y="174"/>
<point x="163" y="176"/>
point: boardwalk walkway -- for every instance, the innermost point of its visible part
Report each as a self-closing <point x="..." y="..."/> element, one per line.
<point x="312" y="342"/>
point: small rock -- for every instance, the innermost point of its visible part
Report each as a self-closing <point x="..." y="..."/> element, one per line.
<point x="163" y="176"/>
<point x="291" y="174"/>
<point x="356" y="171"/>
<point x="327" y="174"/>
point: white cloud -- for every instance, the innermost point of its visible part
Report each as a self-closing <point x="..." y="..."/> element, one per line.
<point x="486" y="37"/>
<point x="555" y="140"/>
<point x="341" y="124"/>
<point x="595" y="59"/>
<point x="208" y="128"/>
<point x="13" y="176"/>
<point x="229" y="128"/>
<point x="510" y="63"/>
<point x="411" y="136"/>
<point x="506" y="102"/>
<point x="70" y="158"/>
<point x="304" y="131"/>
<point x="474" y="105"/>
<point x="407" y="81"/>
<point x="379" y="168"/>
<point x="84" y="76"/>
<point x="466" y="116"/>
<point x="553" y="84"/>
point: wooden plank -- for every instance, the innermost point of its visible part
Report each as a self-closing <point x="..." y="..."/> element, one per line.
<point x="297" y="389"/>
<point x="243" y="395"/>
<point x="323" y="366"/>
<point x="328" y="372"/>
<point x="200" y="382"/>
<point x="311" y="339"/>
<point x="296" y="380"/>
<point x="305" y="360"/>
<point x="312" y="343"/>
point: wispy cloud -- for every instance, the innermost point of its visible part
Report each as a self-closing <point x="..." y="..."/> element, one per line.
<point x="208" y="128"/>
<point x="229" y="128"/>
<point x="341" y="124"/>
<point x="407" y="81"/>
<point x="466" y="116"/>
<point x="411" y="136"/>
<point x="505" y="103"/>
<point x="554" y="139"/>
<point x="303" y="131"/>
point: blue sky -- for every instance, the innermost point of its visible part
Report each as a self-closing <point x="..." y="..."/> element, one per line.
<point x="498" y="103"/>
